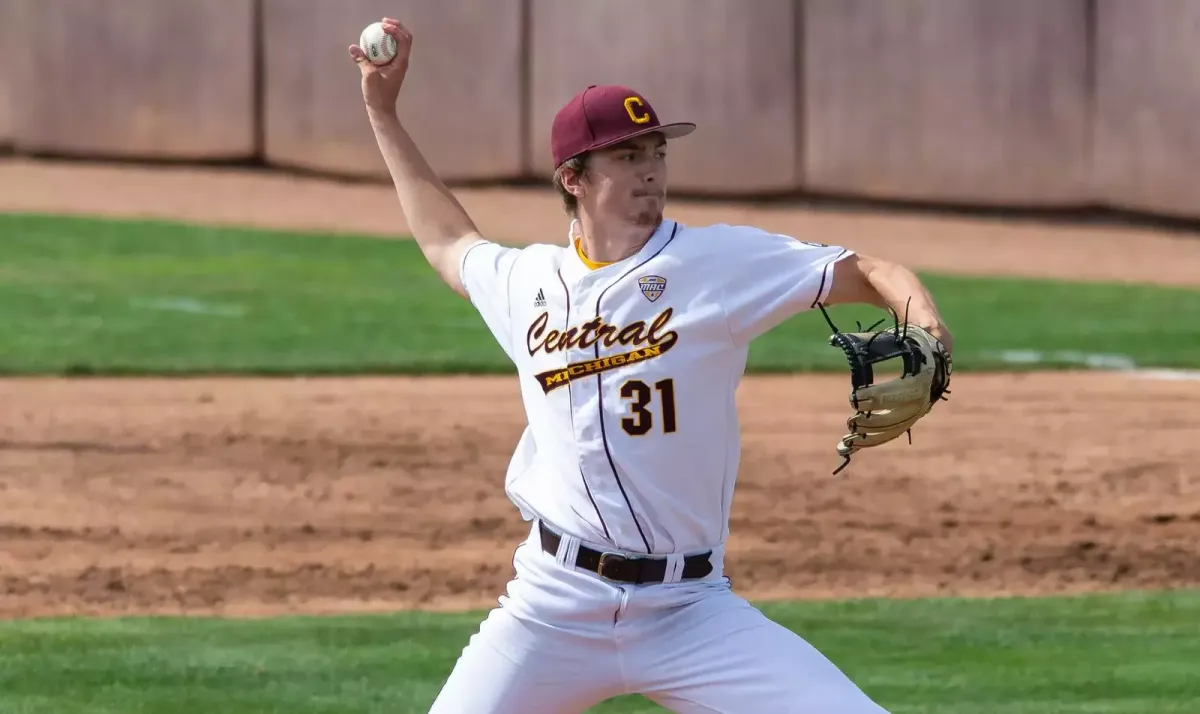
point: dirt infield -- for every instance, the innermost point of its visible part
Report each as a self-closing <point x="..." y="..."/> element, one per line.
<point x="249" y="497"/>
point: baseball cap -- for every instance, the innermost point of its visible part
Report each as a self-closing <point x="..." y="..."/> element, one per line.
<point x="603" y="115"/>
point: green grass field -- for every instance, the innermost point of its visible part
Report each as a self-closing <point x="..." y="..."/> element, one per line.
<point x="89" y="296"/>
<point x="1126" y="654"/>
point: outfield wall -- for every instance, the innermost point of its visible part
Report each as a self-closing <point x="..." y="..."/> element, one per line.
<point x="1042" y="103"/>
<point x="133" y="78"/>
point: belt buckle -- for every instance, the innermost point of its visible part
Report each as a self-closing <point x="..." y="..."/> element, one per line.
<point x="605" y="559"/>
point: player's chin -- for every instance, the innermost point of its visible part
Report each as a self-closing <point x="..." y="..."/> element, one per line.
<point x="649" y="218"/>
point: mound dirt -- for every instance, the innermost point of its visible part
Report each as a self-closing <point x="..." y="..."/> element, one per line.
<point x="252" y="497"/>
<point x="248" y="497"/>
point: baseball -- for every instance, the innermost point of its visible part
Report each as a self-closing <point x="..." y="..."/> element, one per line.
<point x="379" y="45"/>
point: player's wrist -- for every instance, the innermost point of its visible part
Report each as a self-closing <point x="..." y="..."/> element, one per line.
<point x="929" y="320"/>
<point x="940" y="332"/>
<point x="382" y="112"/>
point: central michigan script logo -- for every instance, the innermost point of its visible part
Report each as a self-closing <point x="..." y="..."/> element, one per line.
<point x="648" y="341"/>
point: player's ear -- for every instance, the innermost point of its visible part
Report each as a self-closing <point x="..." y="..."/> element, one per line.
<point x="573" y="183"/>
<point x="571" y="180"/>
<point x="571" y="177"/>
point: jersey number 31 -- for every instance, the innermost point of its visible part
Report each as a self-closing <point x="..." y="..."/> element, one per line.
<point x="640" y="394"/>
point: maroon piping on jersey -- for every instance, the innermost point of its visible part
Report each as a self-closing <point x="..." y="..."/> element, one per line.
<point x="824" y="276"/>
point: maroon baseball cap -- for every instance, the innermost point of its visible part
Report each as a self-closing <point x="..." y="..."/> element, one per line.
<point x="604" y="115"/>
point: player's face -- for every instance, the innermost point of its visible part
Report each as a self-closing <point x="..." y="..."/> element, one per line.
<point x="629" y="181"/>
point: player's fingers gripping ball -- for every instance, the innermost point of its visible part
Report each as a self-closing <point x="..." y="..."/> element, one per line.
<point x="379" y="46"/>
<point x="885" y="409"/>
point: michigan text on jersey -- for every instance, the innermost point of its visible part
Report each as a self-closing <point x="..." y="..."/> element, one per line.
<point x="655" y="338"/>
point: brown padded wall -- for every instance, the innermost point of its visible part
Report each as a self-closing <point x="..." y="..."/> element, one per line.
<point x="145" y="78"/>
<point x="973" y="101"/>
<point x="1147" y="135"/>
<point x="461" y="99"/>
<point x="727" y="65"/>
<point x="9" y="31"/>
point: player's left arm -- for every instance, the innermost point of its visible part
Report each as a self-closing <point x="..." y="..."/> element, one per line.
<point x="869" y="280"/>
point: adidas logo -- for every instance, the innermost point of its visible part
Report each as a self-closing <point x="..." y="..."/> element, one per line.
<point x="540" y="300"/>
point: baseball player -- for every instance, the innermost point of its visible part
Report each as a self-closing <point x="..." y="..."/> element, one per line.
<point x="629" y="341"/>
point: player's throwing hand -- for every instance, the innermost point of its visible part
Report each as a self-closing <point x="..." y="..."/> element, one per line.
<point x="381" y="83"/>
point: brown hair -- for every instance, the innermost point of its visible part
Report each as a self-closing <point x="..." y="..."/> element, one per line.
<point x="579" y="165"/>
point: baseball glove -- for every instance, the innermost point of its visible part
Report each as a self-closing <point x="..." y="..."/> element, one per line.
<point x="884" y="410"/>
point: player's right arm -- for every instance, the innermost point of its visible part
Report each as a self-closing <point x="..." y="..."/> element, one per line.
<point x="436" y="219"/>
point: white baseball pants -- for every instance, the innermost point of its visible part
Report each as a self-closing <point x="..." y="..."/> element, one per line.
<point x="564" y="640"/>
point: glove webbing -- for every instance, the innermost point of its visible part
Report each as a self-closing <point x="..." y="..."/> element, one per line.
<point x="861" y="373"/>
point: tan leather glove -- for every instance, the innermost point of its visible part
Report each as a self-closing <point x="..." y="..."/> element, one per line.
<point x="887" y="409"/>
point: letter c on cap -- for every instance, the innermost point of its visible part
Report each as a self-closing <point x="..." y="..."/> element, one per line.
<point x="629" y="102"/>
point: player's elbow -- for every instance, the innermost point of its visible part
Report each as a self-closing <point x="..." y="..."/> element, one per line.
<point x="851" y="281"/>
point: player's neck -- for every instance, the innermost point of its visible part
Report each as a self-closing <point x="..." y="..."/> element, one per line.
<point x="610" y="241"/>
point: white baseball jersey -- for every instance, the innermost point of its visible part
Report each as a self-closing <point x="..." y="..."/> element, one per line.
<point x="628" y="373"/>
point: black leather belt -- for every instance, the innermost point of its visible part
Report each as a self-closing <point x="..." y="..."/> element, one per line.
<point x="627" y="569"/>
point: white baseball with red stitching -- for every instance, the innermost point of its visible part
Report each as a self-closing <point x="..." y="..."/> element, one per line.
<point x="379" y="45"/>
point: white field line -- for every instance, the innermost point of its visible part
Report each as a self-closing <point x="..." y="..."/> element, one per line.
<point x="188" y="305"/>
<point x="1110" y="362"/>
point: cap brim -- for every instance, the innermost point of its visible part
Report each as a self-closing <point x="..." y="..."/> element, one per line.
<point x="670" y="131"/>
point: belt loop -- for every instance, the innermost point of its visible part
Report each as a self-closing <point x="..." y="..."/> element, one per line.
<point x="568" y="551"/>
<point x="674" y="571"/>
